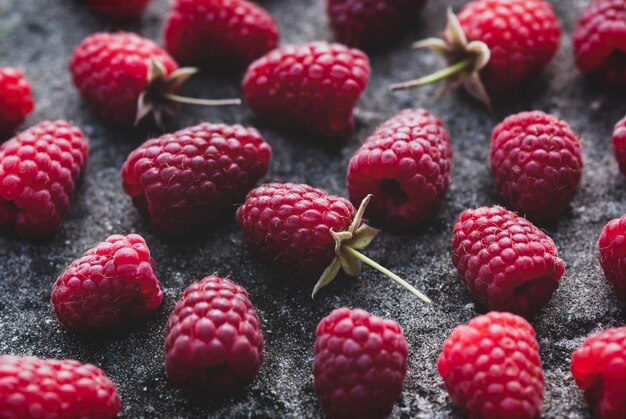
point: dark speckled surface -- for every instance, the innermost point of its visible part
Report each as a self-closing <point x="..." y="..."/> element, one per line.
<point x="37" y="36"/>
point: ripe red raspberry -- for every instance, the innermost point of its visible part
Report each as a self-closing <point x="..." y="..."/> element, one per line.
<point x="38" y="171"/>
<point x="112" y="283"/>
<point x="612" y="247"/>
<point x="619" y="144"/>
<point x="405" y="164"/>
<point x="309" y="87"/>
<point x="495" y="45"/>
<point x="125" y="77"/>
<point x="219" y="34"/>
<point x="372" y="24"/>
<point x="600" y="43"/>
<point x="491" y="368"/>
<point x="359" y="364"/>
<point x="506" y="262"/>
<point x="309" y="233"/>
<point x="185" y="180"/>
<point x="48" y="388"/>
<point x="537" y="164"/>
<point x="118" y="9"/>
<point x="16" y="101"/>
<point x="599" y="368"/>
<point x="214" y="339"/>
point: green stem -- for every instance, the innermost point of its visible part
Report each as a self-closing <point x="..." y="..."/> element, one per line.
<point x="435" y="77"/>
<point x="202" y="102"/>
<point x="382" y="269"/>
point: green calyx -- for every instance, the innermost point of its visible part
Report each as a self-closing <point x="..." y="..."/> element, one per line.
<point x="347" y="256"/>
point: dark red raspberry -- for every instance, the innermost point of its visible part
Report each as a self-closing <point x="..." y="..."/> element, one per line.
<point x="185" y="180"/>
<point x="612" y="247"/>
<point x="219" y="34"/>
<point x="537" y="164"/>
<point x="309" y="87"/>
<point x="47" y="388"/>
<point x="38" y="171"/>
<point x="495" y="45"/>
<point x="359" y="364"/>
<point x="491" y="368"/>
<point x="125" y="77"/>
<point x="405" y="164"/>
<point x="599" y="368"/>
<point x="16" y="101"/>
<point x="619" y="144"/>
<point x="309" y="233"/>
<point x="118" y="9"/>
<point x="506" y="262"/>
<point x="214" y="340"/>
<point x="372" y="24"/>
<point x="600" y="43"/>
<point x="112" y="283"/>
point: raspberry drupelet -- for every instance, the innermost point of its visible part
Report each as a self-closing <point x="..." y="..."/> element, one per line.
<point x="38" y="172"/>
<point x="359" y="364"/>
<point x="406" y="165"/>
<point x="506" y="262"/>
<point x="214" y="341"/>
<point x="16" y="100"/>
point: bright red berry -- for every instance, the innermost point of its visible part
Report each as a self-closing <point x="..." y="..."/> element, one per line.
<point x="599" y="368"/>
<point x="612" y="247"/>
<point x="185" y="180"/>
<point x="506" y="262"/>
<point x="16" y="101"/>
<point x="537" y="164"/>
<point x="214" y="340"/>
<point x="372" y="24"/>
<point x="219" y="34"/>
<point x="405" y="164"/>
<point x="619" y="144"/>
<point x="112" y="283"/>
<point x="309" y="233"/>
<point x="491" y="368"/>
<point x="38" y="172"/>
<point x="359" y="364"/>
<point x="118" y="9"/>
<point x="600" y="42"/>
<point x="310" y="87"/>
<point x="47" y="388"/>
<point x="495" y="45"/>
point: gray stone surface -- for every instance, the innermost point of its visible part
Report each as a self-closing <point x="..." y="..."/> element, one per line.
<point x="38" y="36"/>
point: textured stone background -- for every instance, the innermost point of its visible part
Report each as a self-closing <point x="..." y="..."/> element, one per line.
<point x="38" y="37"/>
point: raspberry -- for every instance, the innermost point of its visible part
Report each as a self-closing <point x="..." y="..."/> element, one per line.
<point x="185" y="180"/>
<point x="36" y="388"/>
<point x="372" y="24"/>
<point x="310" y="87"/>
<point x="600" y="43"/>
<point x="494" y="46"/>
<point x="38" y="172"/>
<point x="599" y="368"/>
<point x="309" y="233"/>
<point x="118" y="9"/>
<point x="491" y="368"/>
<point x="359" y="364"/>
<point x="619" y="144"/>
<point x="612" y="247"/>
<point x="214" y="339"/>
<point x="537" y="164"/>
<point x="219" y="34"/>
<point x="405" y="164"/>
<point x="112" y="283"/>
<point x="16" y="101"/>
<point x="506" y="262"/>
<point x="125" y="77"/>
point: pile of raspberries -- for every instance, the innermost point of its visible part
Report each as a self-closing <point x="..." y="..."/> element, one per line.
<point x="184" y="182"/>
